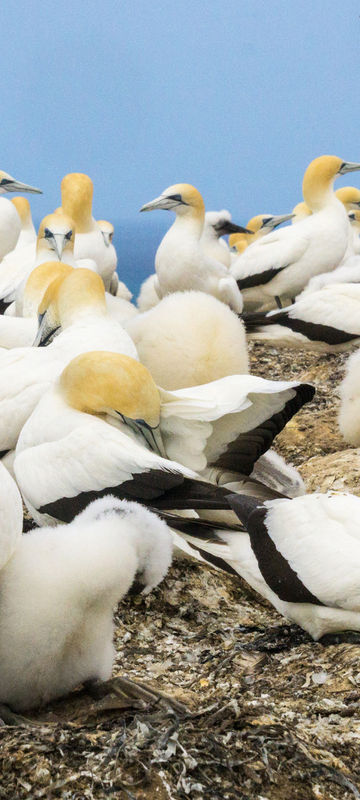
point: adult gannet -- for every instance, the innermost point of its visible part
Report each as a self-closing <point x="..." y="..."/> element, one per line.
<point x="281" y="264"/>
<point x="58" y="589"/>
<point x="349" y="196"/>
<point x="326" y="320"/>
<point x="10" y="223"/>
<point x="300" y="212"/>
<point x="189" y="338"/>
<point x="257" y="227"/>
<point x="74" y="311"/>
<point x="116" y="287"/>
<point x="180" y="261"/>
<point x="105" y="411"/>
<point x="28" y="232"/>
<point x="348" y="270"/>
<point x="76" y="201"/>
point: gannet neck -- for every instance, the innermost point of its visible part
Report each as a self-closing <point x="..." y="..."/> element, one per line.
<point x="80" y="295"/>
<point x="111" y="383"/>
<point x="22" y="206"/>
<point x="39" y="280"/>
<point x="76" y="200"/>
<point x="318" y="182"/>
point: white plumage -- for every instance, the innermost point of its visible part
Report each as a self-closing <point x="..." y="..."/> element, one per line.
<point x="349" y="414"/>
<point x="58" y="591"/>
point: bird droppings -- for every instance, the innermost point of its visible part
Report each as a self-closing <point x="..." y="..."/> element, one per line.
<point x="262" y="711"/>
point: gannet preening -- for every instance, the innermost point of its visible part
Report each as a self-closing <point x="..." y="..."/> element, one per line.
<point x="348" y="270"/>
<point x="28" y="232"/>
<point x="326" y="320"/>
<point x="257" y="227"/>
<point x="189" y="338"/>
<point x="76" y="201"/>
<point x="216" y="225"/>
<point x="73" y="310"/>
<point x="10" y="223"/>
<point x="303" y="555"/>
<point x="180" y="261"/>
<point x="21" y="331"/>
<point x="58" y="590"/>
<point x="281" y="264"/>
<point x="349" y="414"/>
<point x="106" y="411"/>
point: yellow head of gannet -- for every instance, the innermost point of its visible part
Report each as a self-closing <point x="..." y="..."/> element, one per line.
<point x="67" y="299"/>
<point x="300" y="211"/>
<point x="239" y="242"/>
<point x="57" y="235"/>
<point x="258" y="226"/>
<point x="10" y="184"/>
<point x="319" y="178"/>
<point x="182" y="198"/>
<point x="354" y="217"/>
<point x="76" y="200"/>
<point x="22" y="206"/>
<point x="40" y="278"/>
<point x="349" y="196"/>
<point x="107" y="230"/>
<point x="110" y="383"/>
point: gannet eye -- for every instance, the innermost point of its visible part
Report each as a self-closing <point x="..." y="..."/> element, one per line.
<point x="176" y="197"/>
<point x="68" y="235"/>
<point x="5" y="181"/>
<point x="48" y="234"/>
<point x="111" y="237"/>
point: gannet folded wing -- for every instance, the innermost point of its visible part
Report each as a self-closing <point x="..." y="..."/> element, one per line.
<point x="268" y="256"/>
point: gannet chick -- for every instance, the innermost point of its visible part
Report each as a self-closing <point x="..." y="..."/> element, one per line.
<point x="58" y="591"/>
<point x="128" y="429"/>
<point x="21" y="331"/>
<point x="73" y="313"/>
<point x="76" y="201"/>
<point x="281" y="264"/>
<point x="349" y="418"/>
<point x="258" y="226"/>
<point x="28" y="232"/>
<point x="348" y="270"/>
<point x="180" y="261"/>
<point x="148" y="296"/>
<point x="300" y="212"/>
<point x="216" y="225"/>
<point x="326" y="320"/>
<point x="189" y="338"/>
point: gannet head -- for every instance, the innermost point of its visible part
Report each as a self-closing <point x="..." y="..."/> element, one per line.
<point x="259" y="226"/>
<point x="9" y="184"/>
<point x="111" y="383"/>
<point x="239" y="242"/>
<point x="300" y="211"/>
<point x="354" y="217"/>
<point x="57" y="235"/>
<point x="67" y="298"/>
<point x="22" y="206"/>
<point x="181" y="198"/>
<point x="349" y="196"/>
<point x="319" y="178"/>
<point x="220" y="224"/>
<point x="40" y="278"/>
<point x="107" y="230"/>
<point x="76" y="200"/>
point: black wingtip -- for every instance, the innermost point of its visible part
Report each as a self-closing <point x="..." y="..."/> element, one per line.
<point x="244" y="505"/>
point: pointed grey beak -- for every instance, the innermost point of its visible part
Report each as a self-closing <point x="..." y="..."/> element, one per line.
<point x="57" y="241"/>
<point x="106" y="237"/>
<point x="276" y="220"/>
<point x="11" y="185"/>
<point x="230" y="227"/>
<point x="348" y="166"/>
<point x="152" y="436"/>
<point x="45" y="333"/>
<point x="162" y="201"/>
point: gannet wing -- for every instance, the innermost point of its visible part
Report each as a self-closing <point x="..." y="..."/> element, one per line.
<point x="268" y="256"/>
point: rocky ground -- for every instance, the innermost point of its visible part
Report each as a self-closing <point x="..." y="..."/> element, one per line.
<point x="260" y="710"/>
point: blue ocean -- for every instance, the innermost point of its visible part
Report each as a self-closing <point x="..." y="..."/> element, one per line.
<point x="136" y="242"/>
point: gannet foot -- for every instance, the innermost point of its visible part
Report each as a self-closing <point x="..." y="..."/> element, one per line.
<point x="133" y="693"/>
<point x="8" y="717"/>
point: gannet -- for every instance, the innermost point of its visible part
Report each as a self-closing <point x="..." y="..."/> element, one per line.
<point x="349" y="196"/>
<point x="106" y="412"/>
<point x="281" y="264"/>
<point x="21" y="331"/>
<point x="148" y="296"/>
<point x="349" y="417"/>
<point x="10" y="223"/>
<point x="348" y="270"/>
<point x="257" y="227"/>
<point x="300" y="212"/>
<point x="216" y="225"/>
<point x="116" y="287"/>
<point x="28" y="232"/>
<point x="180" y="261"/>
<point x="58" y="589"/>
<point x="73" y="311"/>
<point x="76" y="201"/>
<point x="189" y="338"/>
<point x="326" y="320"/>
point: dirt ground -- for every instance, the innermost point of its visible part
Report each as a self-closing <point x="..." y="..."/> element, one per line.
<point x="263" y="712"/>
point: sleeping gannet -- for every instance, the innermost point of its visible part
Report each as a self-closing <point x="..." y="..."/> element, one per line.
<point x="58" y="590"/>
<point x="180" y="261"/>
<point x="281" y="264"/>
<point x="326" y="320"/>
<point x="76" y="201"/>
<point x="10" y="224"/>
<point x="28" y="232"/>
<point x="73" y="311"/>
<point x="105" y="426"/>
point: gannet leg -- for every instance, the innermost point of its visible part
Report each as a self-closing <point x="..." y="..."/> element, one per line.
<point x="8" y="717"/>
<point x="278" y="301"/>
<point x="132" y="690"/>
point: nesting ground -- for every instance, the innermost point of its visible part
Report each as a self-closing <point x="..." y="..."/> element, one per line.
<point x="270" y="714"/>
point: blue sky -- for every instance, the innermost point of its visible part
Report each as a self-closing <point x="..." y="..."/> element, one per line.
<point x="234" y="96"/>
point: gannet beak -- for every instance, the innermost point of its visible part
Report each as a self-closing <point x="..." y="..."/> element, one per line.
<point x="11" y="185"/>
<point x="151" y="435"/>
<point x="230" y="227"/>
<point x="161" y="202"/>
<point x="56" y="241"/>
<point x="106" y="237"/>
<point x="348" y="166"/>
<point x="273" y="222"/>
<point x="45" y="333"/>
